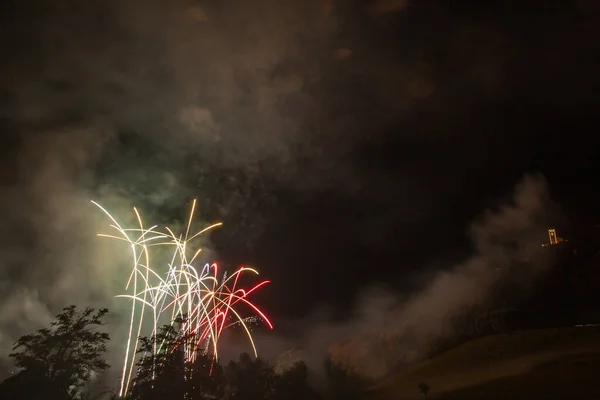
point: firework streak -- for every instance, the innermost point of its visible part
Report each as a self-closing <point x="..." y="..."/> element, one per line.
<point x="179" y="289"/>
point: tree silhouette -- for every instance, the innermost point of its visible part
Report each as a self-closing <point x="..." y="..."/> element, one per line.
<point x="160" y="373"/>
<point x="165" y="372"/>
<point x="292" y="384"/>
<point x="424" y="388"/>
<point x="57" y="362"/>
<point x="344" y="384"/>
<point x="208" y="379"/>
<point x="249" y="379"/>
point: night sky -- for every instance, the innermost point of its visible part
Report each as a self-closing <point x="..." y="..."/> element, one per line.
<point x="344" y="143"/>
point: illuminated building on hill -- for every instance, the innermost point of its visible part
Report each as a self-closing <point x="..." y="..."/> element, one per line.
<point x="554" y="239"/>
<point x="552" y="235"/>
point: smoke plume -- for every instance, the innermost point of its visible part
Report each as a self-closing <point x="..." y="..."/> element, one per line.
<point x="389" y="331"/>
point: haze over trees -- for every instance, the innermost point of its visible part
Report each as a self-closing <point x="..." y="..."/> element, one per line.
<point x="58" y="362"/>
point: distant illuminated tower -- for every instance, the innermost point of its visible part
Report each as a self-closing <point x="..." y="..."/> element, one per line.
<point x="552" y="235"/>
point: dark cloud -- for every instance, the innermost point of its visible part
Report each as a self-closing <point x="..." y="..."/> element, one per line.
<point x="324" y="131"/>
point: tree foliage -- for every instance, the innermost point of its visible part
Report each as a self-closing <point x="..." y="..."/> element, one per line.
<point x="249" y="379"/>
<point x="292" y="384"/>
<point x="164" y="372"/>
<point x="57" y="362"/>
<point x="253" y="379"/>
<point x="343" y="384"/>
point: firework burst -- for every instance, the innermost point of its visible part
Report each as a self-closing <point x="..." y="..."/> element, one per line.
<point x="179" y="289"/>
